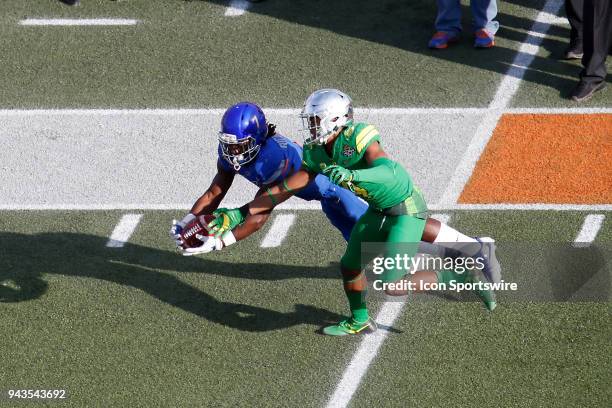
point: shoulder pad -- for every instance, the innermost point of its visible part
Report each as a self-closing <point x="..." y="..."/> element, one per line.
<point x="364" y="135"/>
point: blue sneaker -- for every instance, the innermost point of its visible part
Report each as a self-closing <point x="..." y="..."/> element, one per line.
<point x="484" y="39"/>
<point x="491" y="269"/>
<point x="442" y="39"/>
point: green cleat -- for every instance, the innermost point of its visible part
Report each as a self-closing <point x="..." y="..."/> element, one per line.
<point x="350" y="326"/>
<point x="487" y="296"/>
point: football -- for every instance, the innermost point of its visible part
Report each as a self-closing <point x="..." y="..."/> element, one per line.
<point x="199" y="226"/>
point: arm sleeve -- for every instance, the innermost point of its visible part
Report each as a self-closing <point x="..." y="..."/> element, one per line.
<point x="382" y="171"/>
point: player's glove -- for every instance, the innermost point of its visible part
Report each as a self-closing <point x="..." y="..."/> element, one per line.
<point x="210" y="243"/>
<point x="177" y="228"/>
<point x="338" y="174"/>
<point x="226" y="219"/>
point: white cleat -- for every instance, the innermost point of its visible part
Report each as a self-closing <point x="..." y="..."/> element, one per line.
<point x="492" y="268"/>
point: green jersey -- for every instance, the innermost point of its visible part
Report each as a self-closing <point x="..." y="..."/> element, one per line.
<point x="392" y="187"/>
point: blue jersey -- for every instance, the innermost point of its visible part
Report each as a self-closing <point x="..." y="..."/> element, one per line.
<point x="278" y="158"/>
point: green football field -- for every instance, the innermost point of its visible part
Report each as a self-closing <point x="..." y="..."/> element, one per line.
<point x="188" y="54"/>
<point x="141" y="325"/>
<point x="100" y="122"/>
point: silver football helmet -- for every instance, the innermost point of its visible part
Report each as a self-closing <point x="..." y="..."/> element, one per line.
<point x="325" y="111"/>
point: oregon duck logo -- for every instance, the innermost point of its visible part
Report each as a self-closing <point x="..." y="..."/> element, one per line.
<point x="348" y="151"/>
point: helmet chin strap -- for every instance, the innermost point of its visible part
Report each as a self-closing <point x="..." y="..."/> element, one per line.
<point x="323" y="139"/>
<point x="237" y="165"/>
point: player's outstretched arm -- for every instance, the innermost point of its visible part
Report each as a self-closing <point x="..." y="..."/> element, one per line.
<point x="207" y="202"/>
<point x="380" y="170"/>
<point x="280" y="192"/>
<point x="261" y="206"/>
<point x="252" y="223"/>
<point x="212" y="197"/>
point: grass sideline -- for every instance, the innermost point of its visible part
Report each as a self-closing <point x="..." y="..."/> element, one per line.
<point x="184" y="54"/>
<point x="141" y="325"/>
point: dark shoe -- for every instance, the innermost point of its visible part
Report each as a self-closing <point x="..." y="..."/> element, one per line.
<point x="574" y="50"/>
<point x="585" y="90"/>
<point x="573" y="55"/>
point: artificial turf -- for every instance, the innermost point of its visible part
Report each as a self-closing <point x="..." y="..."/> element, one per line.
<point x="143" y="326"/>
<point x="188" y="54"/>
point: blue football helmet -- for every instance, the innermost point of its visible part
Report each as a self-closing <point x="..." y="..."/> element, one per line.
<point x="243" y="130"/>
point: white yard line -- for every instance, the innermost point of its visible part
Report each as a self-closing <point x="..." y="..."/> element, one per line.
<point x="124" y="230"/>
<point x="300" y="206"/>
<point x="78" y="22"/>
<point x="293" y="111"/>
<point x="590" y="227"/>
<point x="278" y="231"/>
<point x="557" y="111"/>
<point x="142" y="206"/>
<point x="237" y="8"/>
<point x="369" y="347"/>
<point x="363" y="357"/>
<point x="553" y="19"/>
<point x="531" y="207"/>
<point x="507" y="88"/>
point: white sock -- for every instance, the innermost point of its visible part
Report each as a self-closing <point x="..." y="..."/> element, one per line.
<point x="451" y="238"/>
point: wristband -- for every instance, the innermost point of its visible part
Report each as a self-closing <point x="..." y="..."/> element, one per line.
<point x="287" y="187"/>
<point x="228" y="238"/>
<point x="274" y="202"/>
<point x="187" y="219"/>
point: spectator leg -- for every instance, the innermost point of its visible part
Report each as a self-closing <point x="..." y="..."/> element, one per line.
<point x="573" y="11"/>
<point x="597" y="33"/>
<point x="483" y="15"/>
<point x="449" y="16"/>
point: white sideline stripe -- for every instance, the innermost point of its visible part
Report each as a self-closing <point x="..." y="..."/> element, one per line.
<point x="443" y="218"/>
<point x="358" y="366"/>
<point x="278" y="231"/>
<point x="302" y="206"/>
<point x="291" y="111"/>
<point x="237" y="8"/>
<point x="368" y="349"/>
<point x="141" y="206"/>
<point x="560" y="21"/>
<point x="508" y="87"/>
<point x="532" y="207"/>
<point x="78" y="22"/>
<point x="124" y="230"/>
<point x="553" y="19"/>
<point x="556" y="111"/>
<point x="590" y="227"/>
